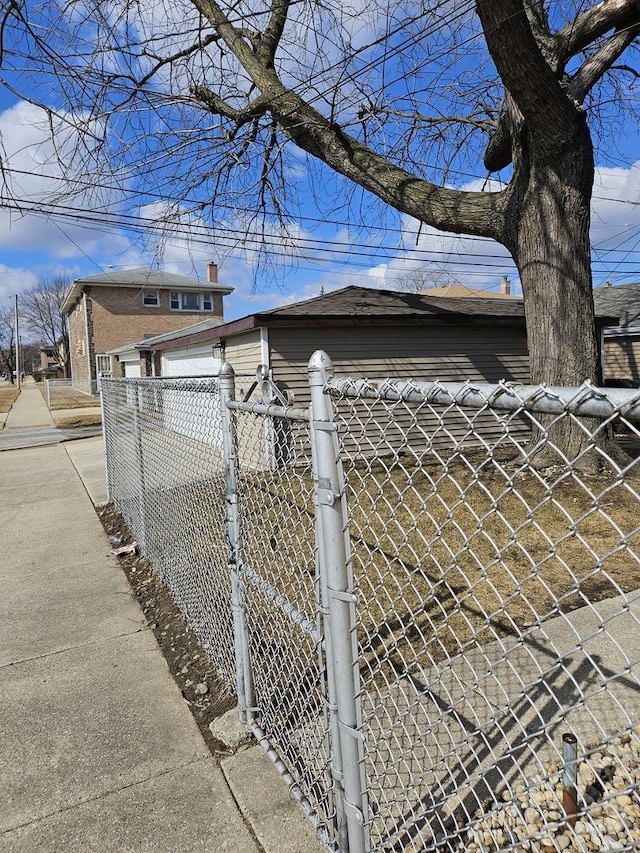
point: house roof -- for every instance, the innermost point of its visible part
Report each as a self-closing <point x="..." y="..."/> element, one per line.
<point x="142" y="278"/>
<point x="361" y="306"/>
<point x="469" y="292"/>
<point x="155" y="341"/>
<point x="620" y="300"/>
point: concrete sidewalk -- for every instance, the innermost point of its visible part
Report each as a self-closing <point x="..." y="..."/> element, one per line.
<point x="29" y="410"/>
<point x="99" y="750"/>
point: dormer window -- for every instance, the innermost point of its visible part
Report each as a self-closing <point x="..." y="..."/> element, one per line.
<point x="150" y="298"/>
<point x="191" y="300"/>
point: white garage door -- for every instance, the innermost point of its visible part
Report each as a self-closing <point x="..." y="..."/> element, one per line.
<point x="192" y="413"/>
<point x="190" y="364"/>
<point x="132" y="369"/>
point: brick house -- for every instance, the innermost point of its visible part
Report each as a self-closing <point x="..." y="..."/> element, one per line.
<point x="113" y="309"/>
<point x="50" y="366"/>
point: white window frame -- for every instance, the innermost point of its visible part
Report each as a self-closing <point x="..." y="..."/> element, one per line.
<point x="204" y="297"/>
<point x="152" y="293"/>
<point x="101" y="372"/>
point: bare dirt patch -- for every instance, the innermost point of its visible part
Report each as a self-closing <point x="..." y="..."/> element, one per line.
<point x="187" y="661"/>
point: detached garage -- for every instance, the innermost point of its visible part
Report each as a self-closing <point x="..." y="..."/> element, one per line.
<point x="367" y="332"/>
<point x="190" y="361"/>
<point x="179" y="358"/>
<point x="370" y="333"/>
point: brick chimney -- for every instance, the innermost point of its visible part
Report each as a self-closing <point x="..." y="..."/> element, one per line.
<point x="505" y="286"/>
<point x="212" y="273"/>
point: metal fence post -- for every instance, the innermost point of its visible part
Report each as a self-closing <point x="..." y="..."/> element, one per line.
<point x="105" y="441"/>
<point x="244" y="679"/>
<point x="137" y="439"/>
<point x="48" y="392"/>
<point x="342" y="653"/>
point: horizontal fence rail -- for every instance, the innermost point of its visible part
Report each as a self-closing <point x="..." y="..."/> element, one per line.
<point x="425" y="595"/>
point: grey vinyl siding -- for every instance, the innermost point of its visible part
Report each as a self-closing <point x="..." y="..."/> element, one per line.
<point x="622" y="358"/>
<point x="448" y="353"/>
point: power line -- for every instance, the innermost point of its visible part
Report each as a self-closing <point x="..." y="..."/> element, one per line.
<point x="474" y="264"/>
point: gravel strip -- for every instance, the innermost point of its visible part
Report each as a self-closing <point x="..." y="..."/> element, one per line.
<point x="532" y="818"/>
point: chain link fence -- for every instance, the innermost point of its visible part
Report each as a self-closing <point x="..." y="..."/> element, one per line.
<point x="166" y="475"/>
<point x="68" y="393"/>
<point x="425" y="595"/>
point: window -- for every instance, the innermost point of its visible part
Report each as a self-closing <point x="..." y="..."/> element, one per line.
<point x="103" y="365"/>
<point x="191" y="300"/>
<point x="150" y="298"/>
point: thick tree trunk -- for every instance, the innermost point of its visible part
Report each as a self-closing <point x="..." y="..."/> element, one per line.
<point x="549" y="238"/>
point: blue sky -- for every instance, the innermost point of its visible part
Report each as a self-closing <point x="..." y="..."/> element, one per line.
<point x="78" y="238"/>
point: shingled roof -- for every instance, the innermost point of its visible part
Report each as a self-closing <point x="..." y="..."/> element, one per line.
<point x="142" y="278"/>
<point x="364" y="306"/>
<point x="621" y="300"/>
<point x="368" y="302"/>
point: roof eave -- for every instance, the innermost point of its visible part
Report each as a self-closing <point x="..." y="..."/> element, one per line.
<point x="225" y="330"/>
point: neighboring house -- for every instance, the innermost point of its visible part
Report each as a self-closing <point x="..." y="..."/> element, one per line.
<point x="461" y="290"/>
<point x="115" y="309"/>
<point x="50" y="367"/>
<point x="621" y="349"/>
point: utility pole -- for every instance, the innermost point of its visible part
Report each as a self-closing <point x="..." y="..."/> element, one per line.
<point x="17" y="347"/>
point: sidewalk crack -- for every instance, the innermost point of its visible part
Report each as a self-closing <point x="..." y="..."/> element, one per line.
<point x="95" y="799"/>
<point x="89" y="643"/>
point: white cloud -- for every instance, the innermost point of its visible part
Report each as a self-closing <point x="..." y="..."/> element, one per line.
<point x="13" y="281"/>
<point x="44" y="191"/>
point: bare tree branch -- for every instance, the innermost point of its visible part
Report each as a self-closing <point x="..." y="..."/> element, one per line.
<point x="41" y="312"/>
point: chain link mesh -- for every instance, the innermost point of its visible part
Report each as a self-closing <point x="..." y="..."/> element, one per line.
<point x="496" y="671"/>
<point x="498" y="610"/>
<point x="166" y="476"/>
<point x="278" y="566"/>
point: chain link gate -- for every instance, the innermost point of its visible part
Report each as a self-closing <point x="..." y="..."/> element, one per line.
<point x="430" y="616"/>
<point x="286" y="509"/>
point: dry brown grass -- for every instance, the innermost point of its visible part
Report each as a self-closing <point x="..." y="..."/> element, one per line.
<point x="7" y="398"/>
<point x="80" y="420"/>
<point x="66" y="397"/>
<point x="444" y="558"/>
<point x="448" y="558"/>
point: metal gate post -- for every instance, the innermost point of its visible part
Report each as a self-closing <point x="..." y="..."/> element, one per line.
<point x="142" y="496"/>
<point x="337" y="583"/>
<point x="105" y="440"/>
<point x="246" y="702"/>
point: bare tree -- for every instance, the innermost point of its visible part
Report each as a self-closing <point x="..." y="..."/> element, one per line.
<point x="209" y="96"/>
<point x="7" y="341"/>
<point x="418" y="279"/>
<point x="41" y="313"/>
